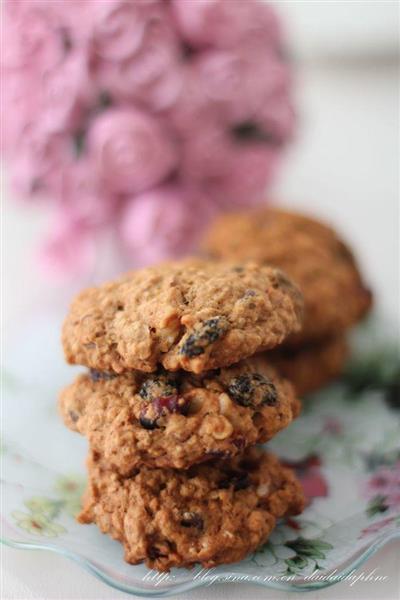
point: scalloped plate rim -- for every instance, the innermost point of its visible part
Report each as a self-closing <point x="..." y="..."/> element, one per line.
<point x="89" y="567"/>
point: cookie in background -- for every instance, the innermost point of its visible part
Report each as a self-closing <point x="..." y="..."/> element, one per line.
<point x="323" y="266"/>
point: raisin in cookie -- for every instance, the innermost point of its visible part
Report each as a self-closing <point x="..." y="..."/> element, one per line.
<point x="193" y="315"/>
<point x="312" y="366"/>
<point x="178" y="419"/>
<point x="311" y="253"/>
<point x="212" y="514"/>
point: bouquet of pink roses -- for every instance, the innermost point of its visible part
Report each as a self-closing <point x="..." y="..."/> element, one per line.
<point x="140" y="116"/>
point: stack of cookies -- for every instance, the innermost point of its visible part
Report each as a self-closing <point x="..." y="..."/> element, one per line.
<point x="177" y="393"/>
<point x="323" y="267"/>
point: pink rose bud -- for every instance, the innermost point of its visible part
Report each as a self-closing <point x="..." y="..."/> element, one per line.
<point x="220" y="23"/>
<point x="119" y="27"/>
<point x="192" y="106"/>
<point x="163" y="222"/>
<point x="131" y="150"/>
<point x="121" y="82"/>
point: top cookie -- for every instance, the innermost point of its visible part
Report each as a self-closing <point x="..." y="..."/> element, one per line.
<point x="311" y="254"/>
<point x="194" y="315"/>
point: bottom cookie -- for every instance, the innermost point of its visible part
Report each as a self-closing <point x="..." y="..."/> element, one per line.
<point x="211" y="514"/>
<point x="312" y="366"/>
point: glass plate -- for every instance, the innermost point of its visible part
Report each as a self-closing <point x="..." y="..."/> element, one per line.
<point x="345" y="448"/>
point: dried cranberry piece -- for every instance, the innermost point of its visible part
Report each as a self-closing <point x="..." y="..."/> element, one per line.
<point x="253" y="390"/>
<point x="172" y="404"/>
<point x="192" y="519"/>
<point x="152" y="412"/>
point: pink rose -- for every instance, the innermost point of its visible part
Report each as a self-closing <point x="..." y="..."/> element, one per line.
<point x="82" y="198"/>
<point x="131" y="150"/>
<point x="241" y="82"/>
<point x="223" y="71"/>
<point x="118" y="29"/>
<point x="227" y="165"/>
<point x="38" y="164"/>
<point x="163" y="222"/>
<point x="252" y="167"/>
<point x="153" y="74"/>
<point x="192" y="106"/>
<point x="208" y="153"/>
<point x="32" y="37"/>
<point x="164" y="92"/>
<point x="222" y="24"/>
<point x="67" y="92"/>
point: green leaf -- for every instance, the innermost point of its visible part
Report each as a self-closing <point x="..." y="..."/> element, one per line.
<point x="322" y="545"/>
<point x="377" y="506"/>
<point x="309" y="548"/>
<point x="296" y="564"/>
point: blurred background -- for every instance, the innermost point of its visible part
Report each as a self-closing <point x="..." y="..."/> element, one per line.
<point x="342" y="164"/>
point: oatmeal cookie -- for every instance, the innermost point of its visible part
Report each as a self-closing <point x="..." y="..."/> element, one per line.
<point x="194" y="315"/>
<point x="310" y="252"/>
<point x="178" y="419"/>
<point x="312" y="366"/>
<point x="212" y="514"/>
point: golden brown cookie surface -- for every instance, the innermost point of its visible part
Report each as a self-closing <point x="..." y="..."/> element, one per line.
<point x="312" y="366"/>
<point x="211" y="514"/>
<point x="178" y="419"/>
<point x="193" y="315"/>
<point x="310" y="252"/>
